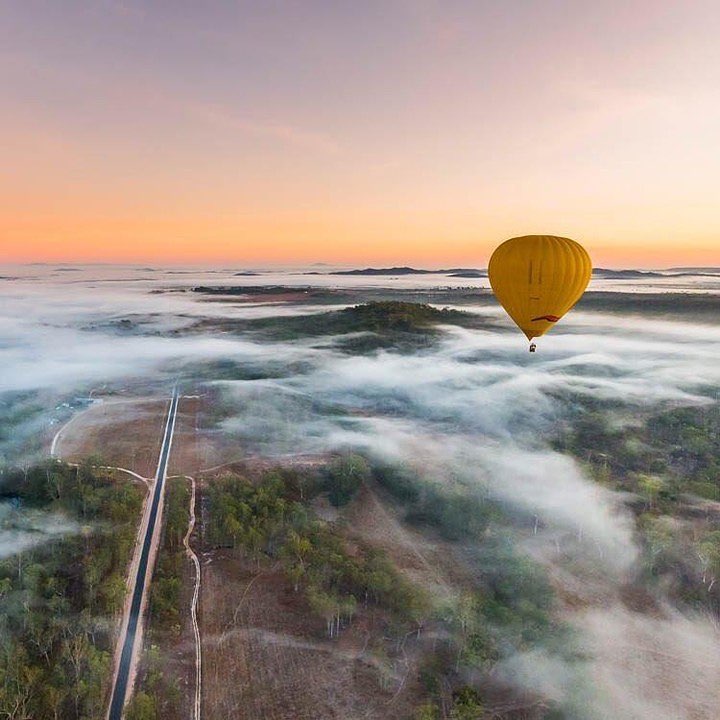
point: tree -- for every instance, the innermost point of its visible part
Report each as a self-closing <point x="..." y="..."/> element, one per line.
<point x="142" y="707"/>
<point x="708" y="552"/>
<point x="345" y="475"/>
<point x="467" y="705"/>
<point x="426" y="711"/>
<point x="651" y="486"/>
<point x="465" y="617"/>
<point x="296" y="549"/>
<point x="18" y="686"/>
<point x="5" y="586"/>
<point x="325" y="605"/>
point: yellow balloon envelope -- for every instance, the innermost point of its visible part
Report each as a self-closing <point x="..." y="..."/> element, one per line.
<point x="538" y="278"/>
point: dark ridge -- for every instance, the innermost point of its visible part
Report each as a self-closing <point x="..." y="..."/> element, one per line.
<point x="469" y="274"/>
<point x="247" y="290"/>
<point x="670" y="273"/>
<point x="404" y="270"/>
<point x="383" y="271"/>
<point x="625" y="274"/>
<point x="675" y="305"/>
<point x="305" y="293"/>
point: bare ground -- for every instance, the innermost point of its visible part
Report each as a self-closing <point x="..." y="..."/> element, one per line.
<point x="374" y="518"/>
<point x="266" y="657"/>
<point x="190" y="445"/>
<point x="123" y="433"/>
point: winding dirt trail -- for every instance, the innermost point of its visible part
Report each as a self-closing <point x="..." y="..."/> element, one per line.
<point x="58" y="434"/>
<point x="197" y="708"/>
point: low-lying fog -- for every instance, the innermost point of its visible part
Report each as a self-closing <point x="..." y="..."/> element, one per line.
<point x="473" y="408"/>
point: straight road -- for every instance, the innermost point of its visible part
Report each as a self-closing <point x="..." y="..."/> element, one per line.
<point x="122" y="679"/>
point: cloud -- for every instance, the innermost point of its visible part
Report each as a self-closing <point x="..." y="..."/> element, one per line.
<point x="221" y="118"/>
<point x="23" y="530"/>
<point x="652" y="668"/>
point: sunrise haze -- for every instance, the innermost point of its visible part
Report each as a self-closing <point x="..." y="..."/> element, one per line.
<point x="392" y="132"/>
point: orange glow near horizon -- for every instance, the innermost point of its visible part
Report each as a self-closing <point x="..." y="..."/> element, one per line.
<point x="303" y="240"/>
<point x="294" y="247"/>
<point x="254" y="135"/>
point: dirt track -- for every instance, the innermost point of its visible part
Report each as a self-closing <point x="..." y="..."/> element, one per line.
<point x="197" y="702"/>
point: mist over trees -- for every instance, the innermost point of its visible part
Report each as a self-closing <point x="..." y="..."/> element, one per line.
<point x="579" y="483"/>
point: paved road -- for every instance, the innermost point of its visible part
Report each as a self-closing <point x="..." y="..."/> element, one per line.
<point x="142" y="577"/>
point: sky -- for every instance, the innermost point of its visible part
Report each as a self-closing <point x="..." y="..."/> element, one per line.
<point x="404" y="131"/>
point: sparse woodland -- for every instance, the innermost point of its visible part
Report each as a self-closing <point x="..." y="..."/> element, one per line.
<point x="58" y="600"/>
<point x="669" y="461"/>
<point x="269" y="521"/>
<point x="667" y="457"/>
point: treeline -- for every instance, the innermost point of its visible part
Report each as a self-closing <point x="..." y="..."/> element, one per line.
<point x="685" y="306"/>
<point x="58" y="599"/>
<point x="268" y="520"/>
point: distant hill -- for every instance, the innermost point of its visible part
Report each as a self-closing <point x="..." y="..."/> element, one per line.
<point x="383" y="271"/>
<point x="637" y="274"/>
<point x="245" y="290"/>
<point x="404" y="271"/>
<point x="606" y="273"/>
<point x="624" y="274"/>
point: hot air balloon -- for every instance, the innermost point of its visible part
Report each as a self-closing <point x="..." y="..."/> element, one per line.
<point x="537" y="279"/>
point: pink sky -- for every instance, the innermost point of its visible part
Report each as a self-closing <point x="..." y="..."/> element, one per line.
<point x="410" y="131"/>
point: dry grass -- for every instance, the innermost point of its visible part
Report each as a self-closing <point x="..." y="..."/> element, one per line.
<point x="123" y="433"/>
<point x="266" y="656"/>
